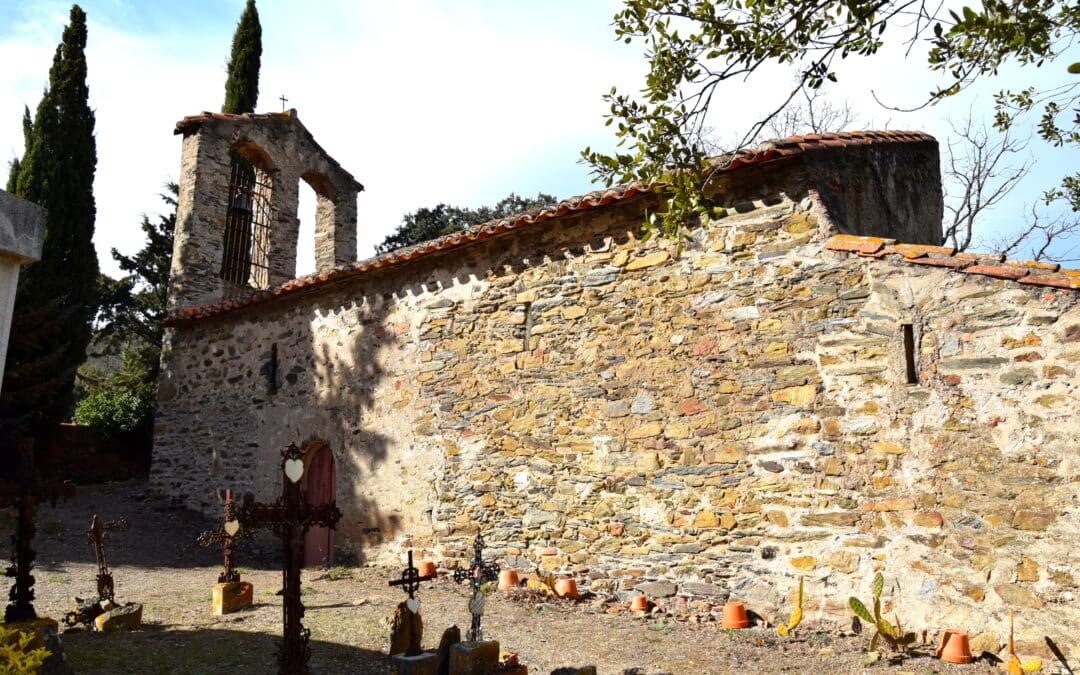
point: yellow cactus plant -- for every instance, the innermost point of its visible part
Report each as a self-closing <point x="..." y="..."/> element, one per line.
<point x="796" y="614"/>
<point x="1013" y="666"/>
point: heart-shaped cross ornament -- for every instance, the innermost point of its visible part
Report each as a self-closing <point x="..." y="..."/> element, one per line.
<point x="413" y="604"/>
<point x="294" y="468"/>
<point x="232" y="527"/>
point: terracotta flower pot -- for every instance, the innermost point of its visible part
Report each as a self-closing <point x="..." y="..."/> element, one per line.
<point x="566" y="588"/>
<point x="426" y="568"/>
<point x="639" y="603"/>
<point x="954" y="647"/>
<point x="508" y="579"/>
<point x="734" y="615"/>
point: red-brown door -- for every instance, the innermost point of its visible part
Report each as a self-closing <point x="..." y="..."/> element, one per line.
<point x="319" y="541"/>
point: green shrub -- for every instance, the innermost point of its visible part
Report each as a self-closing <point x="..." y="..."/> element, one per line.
<point x="114" y="413"/>
<point x="16" y="656"/>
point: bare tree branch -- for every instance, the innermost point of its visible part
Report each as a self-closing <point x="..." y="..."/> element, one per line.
<point x="1038" y="235"/>
<point x="817" y="115"/>
<point x="978" y="174"/>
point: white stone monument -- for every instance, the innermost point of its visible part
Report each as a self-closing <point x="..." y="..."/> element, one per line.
<point x="22" y="229"/>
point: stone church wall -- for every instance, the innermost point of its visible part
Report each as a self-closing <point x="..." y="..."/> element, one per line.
<point x="717" y="421"/>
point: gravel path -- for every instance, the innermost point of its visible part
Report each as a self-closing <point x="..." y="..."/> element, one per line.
<point x="157" y="563"/>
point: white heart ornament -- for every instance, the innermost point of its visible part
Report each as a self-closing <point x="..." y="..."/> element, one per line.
<point x="294" y="468"/>
<point x="413" y="604"/>
<point x="232" y="527"/>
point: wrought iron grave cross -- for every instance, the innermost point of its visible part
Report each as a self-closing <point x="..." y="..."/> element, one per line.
<point x="480" y="571"/>
<point x="23" y="493"/>
<point x="410" y="583"/>
<point x="289" y="517"/>
<point x="97" y="534"/>
<point x="226" y="535"/>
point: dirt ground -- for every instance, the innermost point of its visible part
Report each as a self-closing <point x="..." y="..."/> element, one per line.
<point x="156" y="562"/>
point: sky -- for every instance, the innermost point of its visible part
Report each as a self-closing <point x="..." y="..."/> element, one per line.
<point x="423" y="101"/>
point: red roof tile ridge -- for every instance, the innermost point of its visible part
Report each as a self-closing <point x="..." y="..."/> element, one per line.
<point x="784" y="147"/>
<point x="594" y="199"/>
<point x="994" y="265"/>
<point x="794" y="145"/>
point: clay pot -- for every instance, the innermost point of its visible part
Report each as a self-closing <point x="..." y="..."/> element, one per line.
<point x="954" y="647"/>
<point x="734" y="615"/>
<point x="639" y="603"/>
<point x="508" y="579"/>
<point x="426" y="568"/>
<point x="566" y="588"/>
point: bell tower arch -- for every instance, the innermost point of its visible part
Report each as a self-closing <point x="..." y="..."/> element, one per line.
<point x="236" y="220"/>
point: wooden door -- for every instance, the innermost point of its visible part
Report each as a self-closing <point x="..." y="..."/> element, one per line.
<point x="319" y="541"/>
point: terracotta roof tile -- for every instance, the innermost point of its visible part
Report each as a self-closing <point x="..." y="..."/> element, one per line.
<point x="1033" y="265"/>
<point x="856" y="244"/>
<point x="921" y="250"/>
<point x="1070" y="281"/>
<point x="987" y="264"/>
<point x="997" y="271"/>
<point x="768" y="151"/>
<point x="953" y="263"/>
<point x="793" y="145"/>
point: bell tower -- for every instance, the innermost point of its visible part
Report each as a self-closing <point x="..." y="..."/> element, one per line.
<point x="236" y="218"/>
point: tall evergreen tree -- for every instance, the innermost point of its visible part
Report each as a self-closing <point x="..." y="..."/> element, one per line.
<point x="13" y="172"/>
<point x="57" y="296"/>
<point x="242" y="85"/>
<point x="241" y="95"/>
<point x="133" y="307"/>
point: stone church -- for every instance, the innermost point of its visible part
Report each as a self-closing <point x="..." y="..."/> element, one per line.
<point x="811" y="386"/>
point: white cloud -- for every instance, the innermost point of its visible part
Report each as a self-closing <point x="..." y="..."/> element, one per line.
<point x="423" y="101"/>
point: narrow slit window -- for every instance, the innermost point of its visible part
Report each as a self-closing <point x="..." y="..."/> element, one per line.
<point x="526" y="338"/>
<point x="909" y="354"/>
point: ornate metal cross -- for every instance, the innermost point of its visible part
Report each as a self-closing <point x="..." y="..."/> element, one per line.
<point x="410" y="583"/>
<point x="289" y="517"/>
<point x="23" y="493"/>
<point x="226" y="535"/>
<point x="283" y="101"/>
<point x="97" y="534"/>
<point x="480" y="571"/>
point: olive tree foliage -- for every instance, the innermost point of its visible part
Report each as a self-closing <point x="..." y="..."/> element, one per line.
<point x="695" y="46"/>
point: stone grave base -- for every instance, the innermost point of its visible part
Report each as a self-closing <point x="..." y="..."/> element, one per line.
<point x="474" y="658"/>
<point x="423" y="664"/>
<point x="232" y="596"/>
<point x="121" y="617"/>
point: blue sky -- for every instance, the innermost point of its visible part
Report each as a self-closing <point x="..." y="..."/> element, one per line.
<point x="423" y="101"/>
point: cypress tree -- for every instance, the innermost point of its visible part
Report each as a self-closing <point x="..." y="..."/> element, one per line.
<point x="57" y="296"/>
<point x="242" y="85"/>
<point x="13" y="172"/>
<point x="241" y="95"/>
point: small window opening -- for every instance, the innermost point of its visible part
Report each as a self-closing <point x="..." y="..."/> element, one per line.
<point x="246" y="246"/>
<point x="305" y="238"/>
<point x="270" y="371"/>
<point x="528" y="326"/>
<point x="909" y="354"/>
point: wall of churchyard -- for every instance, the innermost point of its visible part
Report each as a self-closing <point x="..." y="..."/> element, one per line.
<point x="718" y="421"/>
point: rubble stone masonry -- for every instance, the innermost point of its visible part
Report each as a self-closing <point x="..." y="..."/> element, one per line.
<point x="694" y="423"/>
